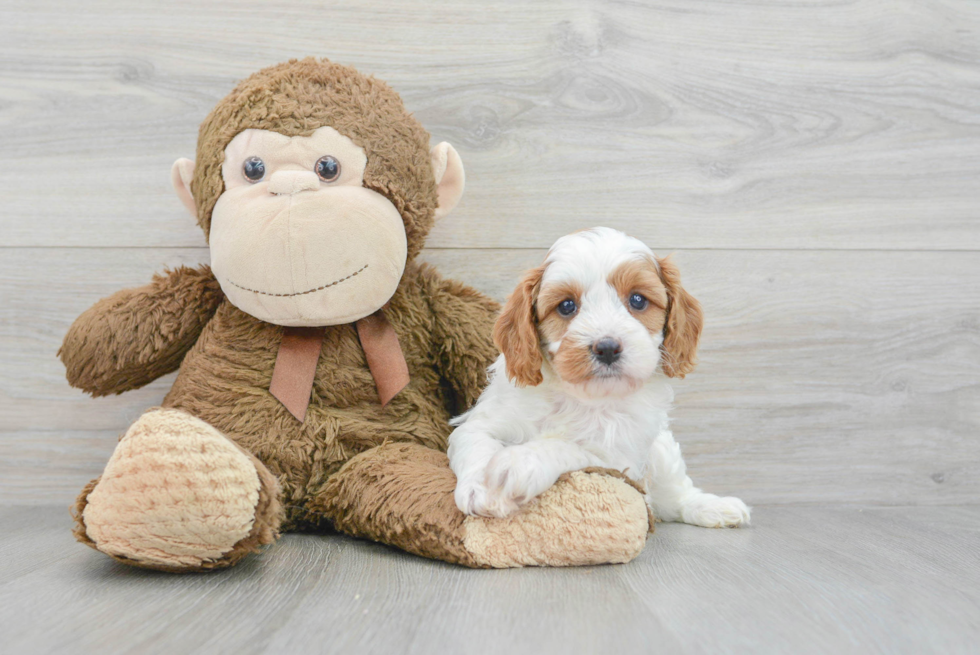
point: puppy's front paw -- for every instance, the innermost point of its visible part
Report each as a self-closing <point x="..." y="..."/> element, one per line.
<point x="514" y="476"/>
<point x="710" y="511"/>
<point x="471" y="498"/>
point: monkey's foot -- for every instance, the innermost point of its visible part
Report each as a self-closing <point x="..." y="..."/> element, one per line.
<point x="177" y="495"/>
<point x="587" y="517"/>
<point x="402" y="494"/>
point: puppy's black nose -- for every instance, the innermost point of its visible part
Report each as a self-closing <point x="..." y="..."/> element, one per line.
<point x="607" y="350"/>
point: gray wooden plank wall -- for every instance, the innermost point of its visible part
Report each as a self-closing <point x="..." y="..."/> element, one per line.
<point x="815" y="166"/>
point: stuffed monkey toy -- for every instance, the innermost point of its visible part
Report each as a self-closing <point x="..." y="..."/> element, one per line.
<point x="319" y="362"/>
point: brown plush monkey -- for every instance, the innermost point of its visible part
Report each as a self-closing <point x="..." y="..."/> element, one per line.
<point x="319" y="363"/>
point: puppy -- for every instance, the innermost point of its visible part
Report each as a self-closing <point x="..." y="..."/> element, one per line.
<point x="587" y="340"/>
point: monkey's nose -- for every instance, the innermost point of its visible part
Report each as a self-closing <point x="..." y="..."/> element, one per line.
<point x="287" y="183"/>
<point x="607" y="350"/>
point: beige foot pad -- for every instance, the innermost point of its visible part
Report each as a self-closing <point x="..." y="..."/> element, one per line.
<point x="177" y="495"/>
<point x="586" y="518"/>
<point x="402" y="494"/>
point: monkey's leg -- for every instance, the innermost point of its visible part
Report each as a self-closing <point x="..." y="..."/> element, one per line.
<point x="177" y="495"/>
<point x="402" y="494"/>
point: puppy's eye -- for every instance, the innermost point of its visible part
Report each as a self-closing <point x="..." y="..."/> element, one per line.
<point x="253" y="169"/>
<point x="567" y="307"/>
<point x="638" y="302"/>
<point x="328" y="168"/>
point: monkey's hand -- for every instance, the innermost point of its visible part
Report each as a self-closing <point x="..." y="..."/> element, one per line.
<point x="462" y="335"/>
<point x="134" y="336"/>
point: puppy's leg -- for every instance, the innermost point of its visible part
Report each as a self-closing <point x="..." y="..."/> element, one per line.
<point x="522" y="472"/>
<point x="470" y="450"/>
<point x="673" y="497"/>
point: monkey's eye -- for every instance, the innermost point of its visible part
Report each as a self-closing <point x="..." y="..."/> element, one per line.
<point x="638" y="302"/>
<point x="567" y="307"/>
<point x="253" y="169"/>
<point x="328" y="168"/>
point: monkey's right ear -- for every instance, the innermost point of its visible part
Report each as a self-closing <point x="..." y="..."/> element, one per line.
<point x="181" y="175"/>
<point x="450" y="178"/>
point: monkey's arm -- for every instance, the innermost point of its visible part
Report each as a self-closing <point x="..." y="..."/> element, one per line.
<point x="462" y="329"/>
<point x="134" y="336"/>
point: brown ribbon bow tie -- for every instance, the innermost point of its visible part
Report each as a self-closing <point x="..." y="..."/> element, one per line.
<point x="299" y="352"/>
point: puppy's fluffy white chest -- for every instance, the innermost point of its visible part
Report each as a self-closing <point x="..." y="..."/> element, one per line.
<point x="618" y="431"/>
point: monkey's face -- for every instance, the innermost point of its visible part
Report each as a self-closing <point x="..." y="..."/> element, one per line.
<point x="296" y="239"/>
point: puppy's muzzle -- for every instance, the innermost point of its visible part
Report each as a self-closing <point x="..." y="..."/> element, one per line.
<point x="607" y="350"/>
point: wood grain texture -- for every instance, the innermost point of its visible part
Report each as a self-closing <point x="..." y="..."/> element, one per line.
<point x="801" y="580"/>
<point x="826" y="124"/>
<point x="824" y="376"/>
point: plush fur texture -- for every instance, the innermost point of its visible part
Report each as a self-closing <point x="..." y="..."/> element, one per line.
<point x="592" y="516"/>
<point x="599" y="510"/>
<point x="588" y="340"/>
<point x="369" y="498"/>
<point x="352" y="464"/>
<point x="225" y="377"/>
<point x="133" y="337"/>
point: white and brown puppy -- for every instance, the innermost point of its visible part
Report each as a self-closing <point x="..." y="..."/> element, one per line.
<point x="588" y="340"/>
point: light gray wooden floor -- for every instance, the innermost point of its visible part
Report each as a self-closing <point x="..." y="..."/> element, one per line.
<point x="802" y="580"/>
<point x="816" y="168"/>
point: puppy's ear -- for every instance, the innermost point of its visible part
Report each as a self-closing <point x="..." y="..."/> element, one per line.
<point x="682" y="330"/>
<point x="516" y="332"/>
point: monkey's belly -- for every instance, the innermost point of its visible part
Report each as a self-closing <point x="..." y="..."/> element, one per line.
<point x="224" y="380"/>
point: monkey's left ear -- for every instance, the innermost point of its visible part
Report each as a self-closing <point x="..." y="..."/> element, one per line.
<point x="450" y="178"/>
<point x="181" y="175"/>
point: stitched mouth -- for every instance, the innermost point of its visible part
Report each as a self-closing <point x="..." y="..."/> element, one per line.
<point x="300" y="293"/>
